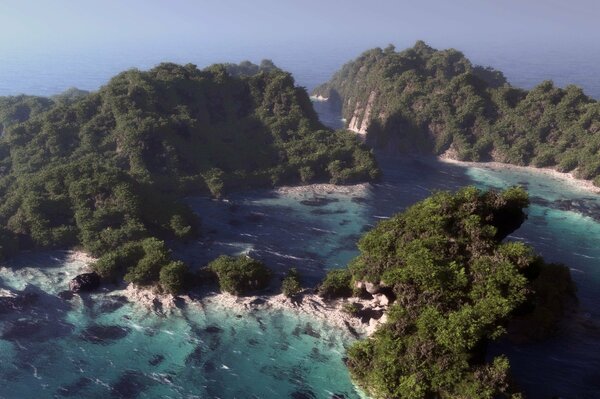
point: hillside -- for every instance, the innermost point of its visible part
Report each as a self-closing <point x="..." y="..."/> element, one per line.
<point x="456" y="286"/>
<point x="437" y="102"/>
<point x="106" y="169"/>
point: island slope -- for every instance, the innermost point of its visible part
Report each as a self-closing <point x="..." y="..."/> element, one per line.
<point x="437" y="102"/>
<point x="106" y="170"/>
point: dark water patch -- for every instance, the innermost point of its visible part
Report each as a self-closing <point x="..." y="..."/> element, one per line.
<point x="338" y="396"/>
<point x="156" y="360"/>
<point x="255" y="217"/>
<point x="306" y="329"/>
<point x="303" y="394"/>
<point x="17" y="303"/>
<point x="319" y="201"/>
<point x="587" y="208"/>
<point x="195" y="357"/>
<point x="359" y="200"/>
<point x="35" y="330"/>
<point x="317" y="356"/>
<point x="253" y="342"/>
<point x="209" y="367"/>
<point x="74" y="390"/>
<point x="104" y="334"/>
<point x="111" y="303"/>
<point x="131" y="384"/>
<point x="592" y="380"/>
<point x="328" y="212"/>
<point x="214" y="343"/>
<point x="234" y="222"/>
<point x="213" y="329"/>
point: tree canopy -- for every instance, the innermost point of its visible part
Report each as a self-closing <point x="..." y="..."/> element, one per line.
<point x="106" y="169"/>
<point x="456" y="286"/>
<point x="431" y="101"/>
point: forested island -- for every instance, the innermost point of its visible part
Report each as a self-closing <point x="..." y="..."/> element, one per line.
<point x="437" y="102"/>
<point x="454" y="286"/>
<point x="107" y="171"/>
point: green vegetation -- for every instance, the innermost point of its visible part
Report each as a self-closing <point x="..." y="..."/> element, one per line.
<point x="240" y="275"/>
<point x="291" y="285"/>
<point x="172" y="277"/>
<point x="106" y="171"/>
<point x="351" y="308"/>
<point x="457" y="287"/>
<point x="435" y="101"/>
<point x="337" y="284"/>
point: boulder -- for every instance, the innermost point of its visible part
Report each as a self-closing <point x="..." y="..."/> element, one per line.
<point x="381" y="299"/>
<point x="372" y="288"/>
<point x="85" y="282"/>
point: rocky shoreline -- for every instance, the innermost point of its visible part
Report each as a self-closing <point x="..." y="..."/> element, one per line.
<point x="324" y="189"/>
<point x="306" y="304"/>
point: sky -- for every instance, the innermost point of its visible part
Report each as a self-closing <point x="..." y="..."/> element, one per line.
<point x="35" y="24"/>
<point x="47" y="46"/>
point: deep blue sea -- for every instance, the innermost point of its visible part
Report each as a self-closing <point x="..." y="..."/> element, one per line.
<point x="100" y="346"/>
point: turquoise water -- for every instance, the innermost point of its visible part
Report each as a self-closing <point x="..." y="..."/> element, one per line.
<point x="197" y="352"/>
<point x="54" y="348"/>
<point x="100" y="346"/>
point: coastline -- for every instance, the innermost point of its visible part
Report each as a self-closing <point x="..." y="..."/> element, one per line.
<point x="569" y="178"/>
<point x="308" y="304"/>
<point x="323" y="189"/>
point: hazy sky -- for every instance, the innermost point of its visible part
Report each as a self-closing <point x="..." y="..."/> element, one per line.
<point x="39" y="23"/>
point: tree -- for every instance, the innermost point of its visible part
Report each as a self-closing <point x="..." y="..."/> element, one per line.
<point x="240" y="275"/>
<point x="291" y="285"/>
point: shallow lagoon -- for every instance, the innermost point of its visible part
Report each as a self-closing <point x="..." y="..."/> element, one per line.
<point x="215" y="352"/>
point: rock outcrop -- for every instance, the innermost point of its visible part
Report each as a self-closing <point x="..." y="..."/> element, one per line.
<point x="85" y="282"/>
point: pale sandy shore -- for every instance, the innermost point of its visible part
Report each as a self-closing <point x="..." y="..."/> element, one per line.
<point x="80" y="256"/>
<point x="324" y="189"/>
<point x="566" y="178"/>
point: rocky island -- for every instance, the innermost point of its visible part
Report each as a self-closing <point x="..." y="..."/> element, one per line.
<point x="428" y="101"/>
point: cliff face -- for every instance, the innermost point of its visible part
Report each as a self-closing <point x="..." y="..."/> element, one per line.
<point x="437" y="102"/>
<point x="359" y="123"/>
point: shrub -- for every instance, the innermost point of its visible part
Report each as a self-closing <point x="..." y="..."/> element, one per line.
<point x="147" y="270"/>
<point x="337" y="284"/>
<point x="172" y="277"/>
<point x="240" y="275"/>
<point x="291" y="283"/>
<point x="352" y="308"/>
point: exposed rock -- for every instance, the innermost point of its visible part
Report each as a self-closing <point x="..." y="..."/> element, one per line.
<point x="17" y="302"/>
<point x="372" y="288"/>
<point x="85" y="282"/>
<point x="381" y="299"/>
<point x="66" y="295"/>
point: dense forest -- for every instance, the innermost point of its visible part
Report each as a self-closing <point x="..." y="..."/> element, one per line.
<point x="106" y="171"/>
<point x="438" y="102"/>
<point x="455" y="286"/>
